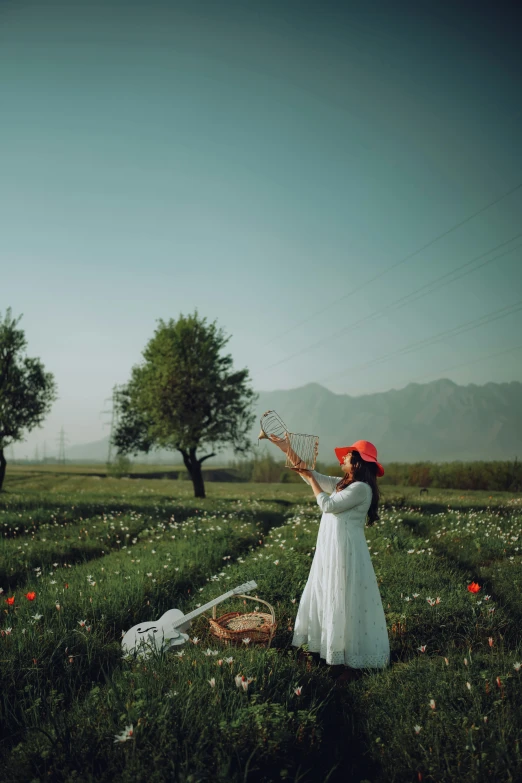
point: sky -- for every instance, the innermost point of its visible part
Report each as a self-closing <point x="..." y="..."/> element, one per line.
<point x="292" y="170"/>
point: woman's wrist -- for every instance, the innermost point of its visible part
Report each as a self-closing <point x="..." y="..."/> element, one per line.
<point x="315" y="485"/>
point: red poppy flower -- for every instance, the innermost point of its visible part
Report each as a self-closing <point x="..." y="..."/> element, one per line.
<point x="473" y="587"/>
<point x="30" y="596"/>
<point x="10" y="600"/>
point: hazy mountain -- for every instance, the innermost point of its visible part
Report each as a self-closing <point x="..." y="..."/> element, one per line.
<point x="438" y="421"/>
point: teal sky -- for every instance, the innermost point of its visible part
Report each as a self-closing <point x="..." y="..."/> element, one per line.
<point x="258" y="162"/>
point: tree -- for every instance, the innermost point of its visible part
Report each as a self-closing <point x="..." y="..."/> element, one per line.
<point x="26" y="390"/>
<point x="185" y="397"/>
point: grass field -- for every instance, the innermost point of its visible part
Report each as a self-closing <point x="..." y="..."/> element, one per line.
<point x="87" y="557"/>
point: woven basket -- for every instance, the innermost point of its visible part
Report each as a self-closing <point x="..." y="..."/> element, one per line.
<point x="233" y="627"/>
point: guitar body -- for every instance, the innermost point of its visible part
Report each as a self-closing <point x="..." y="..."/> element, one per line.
<point x="161" y="634"/>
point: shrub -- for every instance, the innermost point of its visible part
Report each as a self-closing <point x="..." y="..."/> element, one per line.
<point x="120" y="467"/>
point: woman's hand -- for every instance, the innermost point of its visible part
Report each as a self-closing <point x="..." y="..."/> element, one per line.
<point x="304" y="472"/>
<point x="281" y="442"/>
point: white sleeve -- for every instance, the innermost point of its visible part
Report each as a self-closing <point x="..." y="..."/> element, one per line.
<point x="327" y="483"/>
<point x="347" y="498"/>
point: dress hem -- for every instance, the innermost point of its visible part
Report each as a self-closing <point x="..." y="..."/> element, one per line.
<point x="336" y="658"/>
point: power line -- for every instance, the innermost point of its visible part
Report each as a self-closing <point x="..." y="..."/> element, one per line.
<point x="397" y="304"/>
<point x="469" y="325"/>
<point x="475" y="361"/>
<point x="436" y="338"/>
<point x="495" y="315"/>
<point x="398" y="263"/>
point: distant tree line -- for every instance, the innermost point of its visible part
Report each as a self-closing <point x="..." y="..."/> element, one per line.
<point x="493" y="476"/>
<point x="485" y="475"/>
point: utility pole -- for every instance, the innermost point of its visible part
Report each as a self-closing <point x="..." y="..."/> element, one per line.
<point x="44" y="458"/>
<point x="62" y="440"/>
<point x="114" y="413"/>
<point x="36" y="454"/>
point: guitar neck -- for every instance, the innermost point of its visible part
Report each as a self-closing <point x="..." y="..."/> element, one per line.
<point x="201" y="609"/>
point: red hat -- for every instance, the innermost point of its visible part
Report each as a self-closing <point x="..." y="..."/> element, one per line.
<point x="367" y="451"/>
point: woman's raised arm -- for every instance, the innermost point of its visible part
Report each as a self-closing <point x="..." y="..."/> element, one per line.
<point x="284" y="445"/>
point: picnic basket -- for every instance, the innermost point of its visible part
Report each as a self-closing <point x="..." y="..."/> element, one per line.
<point x="231" y="628"/>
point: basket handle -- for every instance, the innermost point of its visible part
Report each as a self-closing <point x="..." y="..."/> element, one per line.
<point x="252" y="598"/>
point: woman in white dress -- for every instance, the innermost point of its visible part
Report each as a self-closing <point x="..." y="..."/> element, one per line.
<point x="340" y="614"/>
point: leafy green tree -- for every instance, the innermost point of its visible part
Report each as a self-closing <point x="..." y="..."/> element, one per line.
<point x="185" y="397"/>
<point x="26" y="390"/>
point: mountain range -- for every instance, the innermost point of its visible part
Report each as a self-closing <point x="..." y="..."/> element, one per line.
<point x="438" y="421"/>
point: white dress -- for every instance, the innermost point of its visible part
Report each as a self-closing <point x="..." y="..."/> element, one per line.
<point x="340" y="614"/>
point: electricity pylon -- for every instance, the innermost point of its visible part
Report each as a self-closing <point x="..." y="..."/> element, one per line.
<point x="62" y="440"/>
<point x="114" y="413"/>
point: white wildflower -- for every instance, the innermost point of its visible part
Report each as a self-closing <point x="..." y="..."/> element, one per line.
<point x="125" y="735"/>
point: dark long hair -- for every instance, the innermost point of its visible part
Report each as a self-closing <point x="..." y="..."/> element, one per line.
<point x="367" y="472"/>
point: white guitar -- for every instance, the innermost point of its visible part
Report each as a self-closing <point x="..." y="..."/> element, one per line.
<point x="169" y="630"/>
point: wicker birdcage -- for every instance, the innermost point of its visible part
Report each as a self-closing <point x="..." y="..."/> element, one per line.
<point x="232" y="627"/>
<point x="306" y="447"/>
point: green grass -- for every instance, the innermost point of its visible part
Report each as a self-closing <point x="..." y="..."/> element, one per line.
<point x="67" y="692"/>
